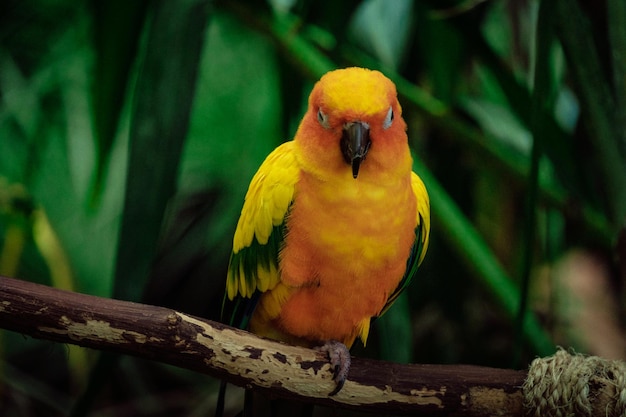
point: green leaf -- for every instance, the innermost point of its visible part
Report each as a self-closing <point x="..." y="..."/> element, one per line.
<point x="159" y="122"/>
<point x="382" y="28"/>
<point x="115" y="54"/>
<point x="442" y="50"/>
<point x="597" y="101"/>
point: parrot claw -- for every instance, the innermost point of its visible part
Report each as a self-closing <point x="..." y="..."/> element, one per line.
<point x="339" y="356"/>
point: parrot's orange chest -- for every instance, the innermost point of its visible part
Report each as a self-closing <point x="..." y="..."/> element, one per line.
<point x="345" y="251"/>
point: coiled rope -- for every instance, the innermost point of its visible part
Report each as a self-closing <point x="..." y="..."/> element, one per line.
<point x="568" y="384"/>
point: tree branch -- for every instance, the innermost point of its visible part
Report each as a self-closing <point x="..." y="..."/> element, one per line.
<point x="243" y="359"/>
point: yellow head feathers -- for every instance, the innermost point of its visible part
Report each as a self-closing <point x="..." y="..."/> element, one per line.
<point x="353" y="126"/>
<point x="358" y="90"/>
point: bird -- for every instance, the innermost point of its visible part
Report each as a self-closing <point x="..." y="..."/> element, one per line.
<point x="334" y="223"/>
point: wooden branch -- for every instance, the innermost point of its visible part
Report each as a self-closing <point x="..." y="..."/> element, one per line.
<point x="243" y="359"/>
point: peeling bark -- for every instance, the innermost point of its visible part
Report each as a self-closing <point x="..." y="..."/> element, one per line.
<point x="243" y="359"/>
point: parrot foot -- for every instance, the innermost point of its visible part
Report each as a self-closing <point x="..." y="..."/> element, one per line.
<point x="339" y="356"/>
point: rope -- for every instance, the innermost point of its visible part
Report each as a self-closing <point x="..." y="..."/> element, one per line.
<point x="568" y="385"/>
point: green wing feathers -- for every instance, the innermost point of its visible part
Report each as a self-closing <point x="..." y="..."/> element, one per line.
<point x="260" y="230"/>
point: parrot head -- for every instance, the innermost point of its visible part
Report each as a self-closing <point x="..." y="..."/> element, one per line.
<point x="353" y="114"/>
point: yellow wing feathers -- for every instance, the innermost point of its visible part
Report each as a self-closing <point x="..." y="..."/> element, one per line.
<point x="423" y="211"/>
<point x="268" y="197"/>
<point x="255" y="244"/>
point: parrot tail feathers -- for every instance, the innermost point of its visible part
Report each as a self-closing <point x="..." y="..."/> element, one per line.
<point x="364" y="330"/>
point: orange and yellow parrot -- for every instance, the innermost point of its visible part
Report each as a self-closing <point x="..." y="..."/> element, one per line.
<point x="334" y="223"/>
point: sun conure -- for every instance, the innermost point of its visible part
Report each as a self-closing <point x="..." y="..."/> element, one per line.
<point x="334" y="223"/>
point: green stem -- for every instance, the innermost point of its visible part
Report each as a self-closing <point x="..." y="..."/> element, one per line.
<point x="542" y="101"/>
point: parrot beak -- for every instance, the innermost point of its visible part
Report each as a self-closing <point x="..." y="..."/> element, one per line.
<point x="355" y="142"/>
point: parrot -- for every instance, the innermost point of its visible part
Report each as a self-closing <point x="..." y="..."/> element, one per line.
<point x="334" y="223"/>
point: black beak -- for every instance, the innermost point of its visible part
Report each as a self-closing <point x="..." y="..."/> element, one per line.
<point x="355" y="142"/>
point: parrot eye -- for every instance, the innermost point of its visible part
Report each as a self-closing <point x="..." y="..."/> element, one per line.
<point x="323" y="119"/>
<point x="388" y="119"/>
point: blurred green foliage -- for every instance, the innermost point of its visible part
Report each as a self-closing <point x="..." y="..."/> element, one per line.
<point x="129" y="132"/>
